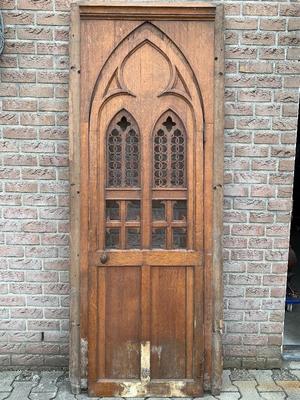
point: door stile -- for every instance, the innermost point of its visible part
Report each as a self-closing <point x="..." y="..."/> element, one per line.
<point x="101" y="289"/>
<point x="146" y="181"/>
<point x="189" y="321"/>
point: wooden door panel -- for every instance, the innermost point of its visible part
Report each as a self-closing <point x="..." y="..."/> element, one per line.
<point x="145" y="118"/>
<point x="122" y="326"/>
<point x="169" y="325"/>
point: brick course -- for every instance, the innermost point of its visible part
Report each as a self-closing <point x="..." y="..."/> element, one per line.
<point x="261" y="104"/>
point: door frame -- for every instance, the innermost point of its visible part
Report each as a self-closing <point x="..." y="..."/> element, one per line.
<point x="79" y="197"/>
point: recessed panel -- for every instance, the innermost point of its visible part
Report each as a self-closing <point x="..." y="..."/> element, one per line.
<point x="168" y="323"/>
<point x="122" y="323"/>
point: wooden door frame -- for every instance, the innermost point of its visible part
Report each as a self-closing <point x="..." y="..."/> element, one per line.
<point x="78" y="194"/>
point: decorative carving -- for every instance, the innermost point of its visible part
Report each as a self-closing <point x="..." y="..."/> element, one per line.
<point x="169" y="148"/>
<point x="155" y="70"/>
<point x="123" y="152"/>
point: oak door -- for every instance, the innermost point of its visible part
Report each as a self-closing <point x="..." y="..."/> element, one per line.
<point x="146" y="213"/>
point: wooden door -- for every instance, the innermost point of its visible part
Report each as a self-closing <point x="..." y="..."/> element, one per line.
<point x="146" y="206"/>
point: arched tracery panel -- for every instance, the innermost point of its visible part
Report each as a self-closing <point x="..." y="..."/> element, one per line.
<point x="123" y="152"/>
<point x="169" y="152"/>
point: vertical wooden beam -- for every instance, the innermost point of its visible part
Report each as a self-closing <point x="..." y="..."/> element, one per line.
<point x="74" y="163"/>
<point x="217" y="272"/>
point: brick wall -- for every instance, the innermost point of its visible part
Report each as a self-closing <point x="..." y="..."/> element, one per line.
<point x="262" y="80"/>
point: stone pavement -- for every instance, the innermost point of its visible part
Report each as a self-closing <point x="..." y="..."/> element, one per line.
<point x="276" y="384"/>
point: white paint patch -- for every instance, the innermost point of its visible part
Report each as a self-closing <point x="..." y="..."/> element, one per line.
<point x="145" y="361"/>
<point x="157" y="350"/>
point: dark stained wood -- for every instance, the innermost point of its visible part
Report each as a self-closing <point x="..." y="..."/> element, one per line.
<point x="147" y="313"/>
<point x="122" y="327"/>
<point x="168" y="323"/>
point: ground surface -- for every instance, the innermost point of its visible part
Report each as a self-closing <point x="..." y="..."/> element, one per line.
<point x="274" y="384"/>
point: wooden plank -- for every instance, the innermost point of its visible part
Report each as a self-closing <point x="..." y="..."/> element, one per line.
<point x="189" y="321"/>
<point x="100" y="311"/>
<point x="154" y="11"/>
<point x="122" y="323"/>
<point x="74" y="163"/>
<point x="217" y="272"/>
<point x="147" y="257"/>
<point x="168" y="323"/>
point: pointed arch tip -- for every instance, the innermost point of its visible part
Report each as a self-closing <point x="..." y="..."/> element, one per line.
<point x="113" y="57"/>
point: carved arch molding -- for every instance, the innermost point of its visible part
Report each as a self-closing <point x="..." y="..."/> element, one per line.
<point x="146" y="124"/>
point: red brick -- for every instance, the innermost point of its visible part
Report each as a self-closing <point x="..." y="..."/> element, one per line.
<point x="280" y="205"/>
<point x="18" y="76"/>
<point x="290" y="10"/>
<point x="293" y="24"/>
<point x="288" y="67"/>
<point x="262" y="191"/>
<point x="255" y="95"/>
<point x="267" y="109"/>
<point x="272" y="24"/>
<point x="34" y="33"/>
<point x="36" y="91"/>
<point x="247" y="230"/>
<point x="19" y="105"/>
<point x="20" y="47"/>
<point x="53" y="19"/>
<point x="256" y="9"/>
<point x="240" y="52"/>
<point x="22" y="187"/>
<point x="36" y="62"/>
<point x="251" y="38"/>
<point x="38" y="5"/>
<point x="241" y="23"/>
<point x="8" y="61"/>
<point x="266" y="137"/>
<point x="260" y="67"/>
<point x="253" y="123"/>
<point x="271" y="53"/>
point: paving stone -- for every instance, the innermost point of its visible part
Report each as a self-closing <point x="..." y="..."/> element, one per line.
<point x="273" y="395"/>
<point x="227" y="385"/>
<point x="4" y="395"/>
<point x="294" y="365"/>
<point x="265" y="381"/>
<point x="43" y="396"/>
<point x="64" y="391"/>
<point x="229" y="396"/>
<point x="296" y="373"/>
<point x="283" y="375"/>
<point x="28" y="376"/>
<point x="47" y="382"/>
<point x="291" y="388"/>
<point x="6" y="380"/>
<point x="21" y="390"/>
<point x="248" y="390"/>
<point x="241" y="375"/>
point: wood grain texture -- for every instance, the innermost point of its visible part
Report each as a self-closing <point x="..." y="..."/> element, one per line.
<point x="144" y="298"/>
<point x="217" y="273"/>
<point x="74" y="163"/>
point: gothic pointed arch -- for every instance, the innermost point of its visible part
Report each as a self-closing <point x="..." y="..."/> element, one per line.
<point x="122" y="151"/>
<point x="169" y="151"/>
<point x="117" y="77"/>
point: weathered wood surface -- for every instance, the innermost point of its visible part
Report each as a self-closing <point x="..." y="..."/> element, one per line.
<point x="148" y="315"/>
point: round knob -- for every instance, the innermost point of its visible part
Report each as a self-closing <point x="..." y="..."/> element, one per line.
<point x="103" y="258"/>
